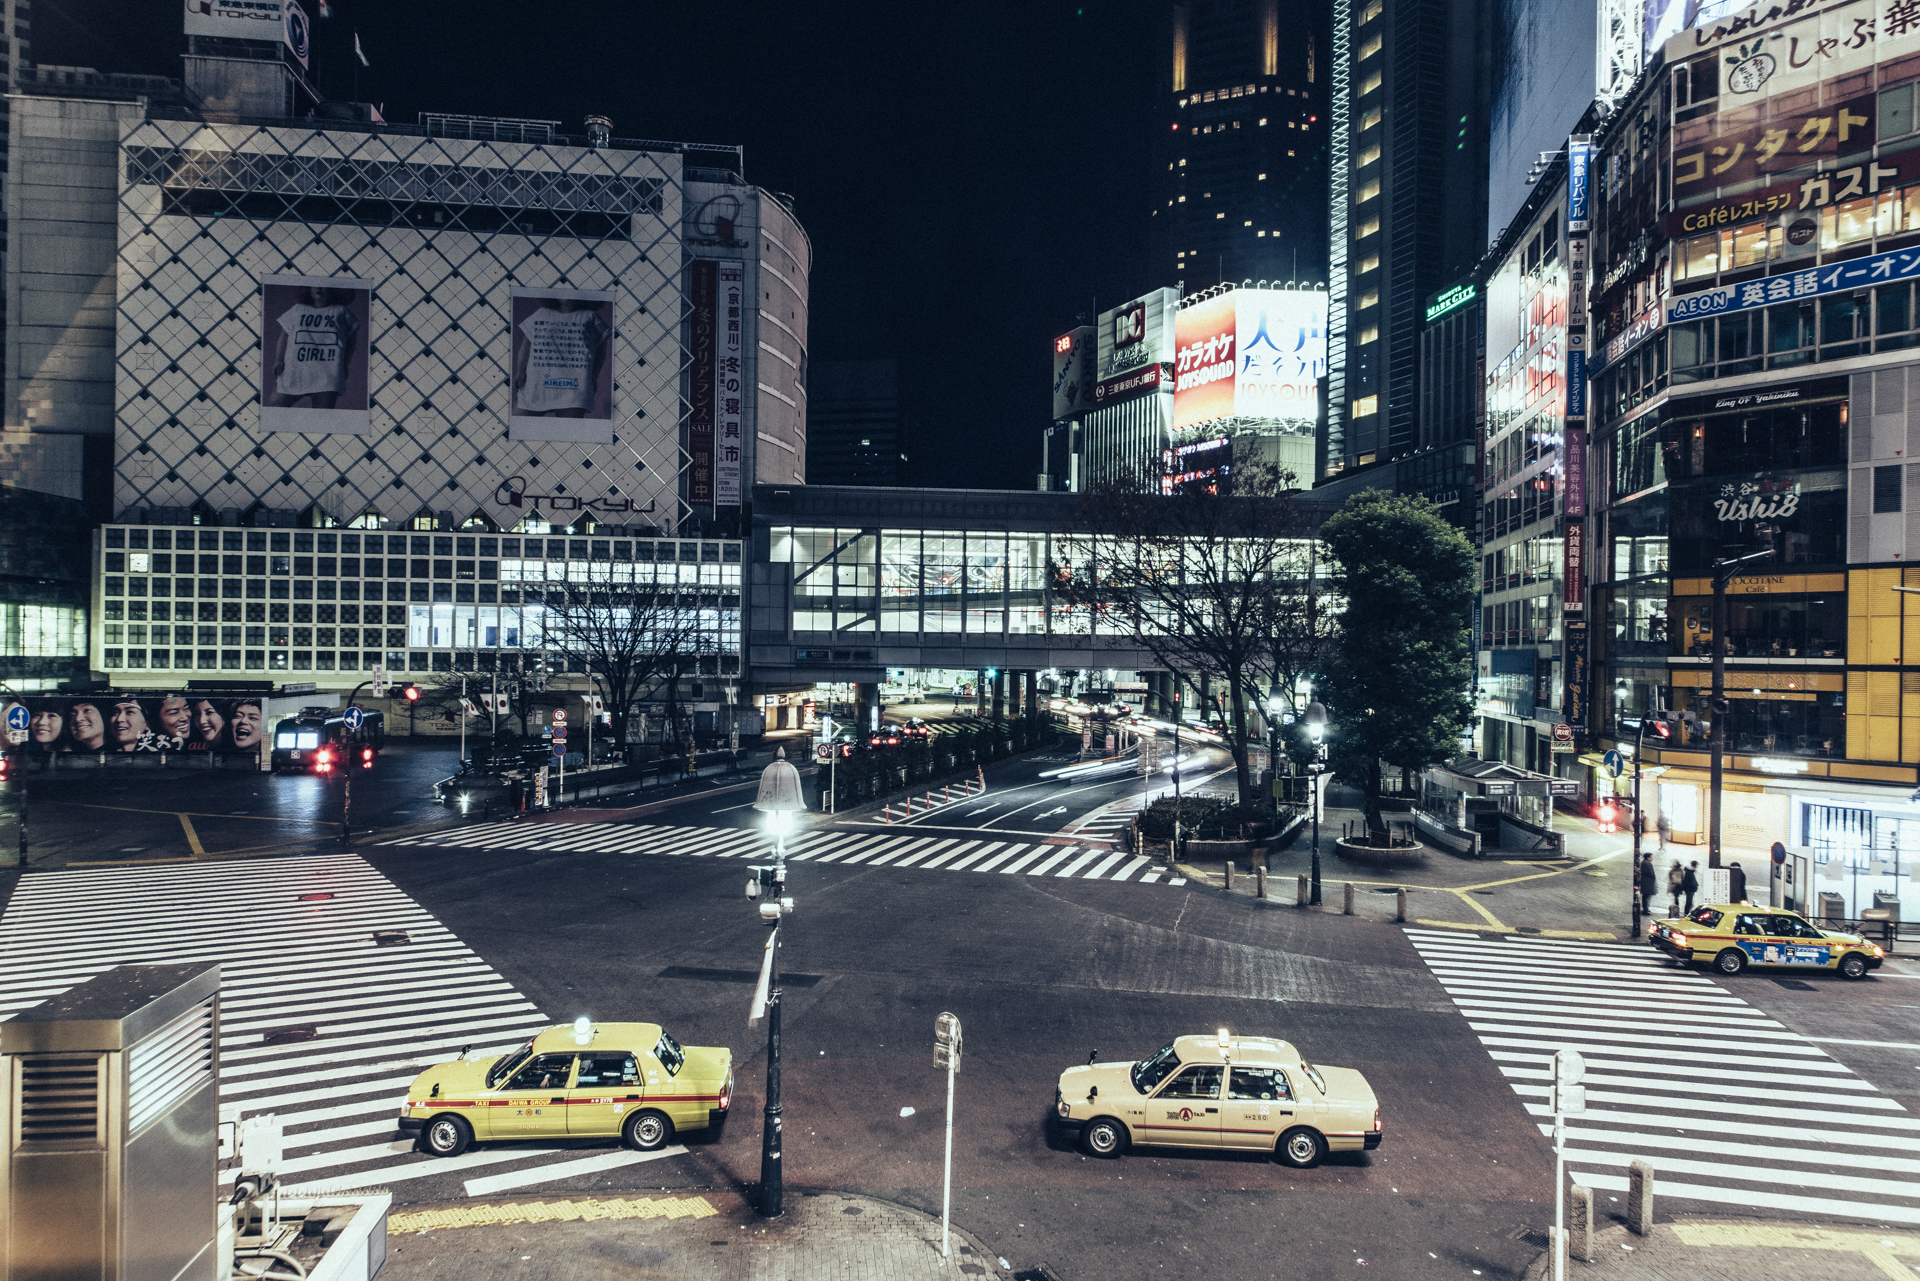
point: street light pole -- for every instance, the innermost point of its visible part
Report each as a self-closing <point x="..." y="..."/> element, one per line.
<point x="780" y="799"/>
<point x="1317" y="727"/>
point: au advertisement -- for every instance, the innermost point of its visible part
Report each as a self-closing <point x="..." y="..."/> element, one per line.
<point x="313" y="348"/>
<point x="137" y="722"/>
<point x="1251" y="353"/>
<point x="562" y="356"/>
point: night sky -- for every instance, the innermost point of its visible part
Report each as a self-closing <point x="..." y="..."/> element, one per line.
<point x="973" y="176"/>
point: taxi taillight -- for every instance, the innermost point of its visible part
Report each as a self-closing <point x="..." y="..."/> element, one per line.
<point x="726" y="1097"/>
<point x="1377" y="1127"/>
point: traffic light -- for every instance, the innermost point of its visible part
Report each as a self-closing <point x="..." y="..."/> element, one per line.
<point x="411" y="693"/>
<point x="6" y="768"/>
<point x="366" y="758"/>
<point x="1607" y="816"/>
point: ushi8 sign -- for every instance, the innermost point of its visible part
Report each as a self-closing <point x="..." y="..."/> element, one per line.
<point x="1251" y="354"/>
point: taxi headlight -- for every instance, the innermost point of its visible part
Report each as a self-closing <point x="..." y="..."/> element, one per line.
<point x="405" y="1104"/>
<point x="1876" y="949"/>
<point x="1063" y="1107"/>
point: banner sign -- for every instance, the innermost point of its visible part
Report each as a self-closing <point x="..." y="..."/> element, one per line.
<point x="728" y="382"/>
<point x="700" y="387"/>
<point x="1579" y="160"/>
<point x="1573" y="586"/>
<point x="562" y="356"/>
<point x="313" y="355"/>
<point x="1574" y="706"/>
<point x="138" y="721"/>
<point x="1788" y="142"/>
<point x="1073" y="372"/>
<point x="1817" y="192"/>
<point x="1902" y="264"/>
<point x="1112" y="391"/>
<point x="1577" y="376"/>
<point x="268" y="21"/>
<point x="1644" y="326"/>
<point x="1574" y="445"/>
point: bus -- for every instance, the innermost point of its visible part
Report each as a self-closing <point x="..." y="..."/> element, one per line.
<point x="299" y="740"/>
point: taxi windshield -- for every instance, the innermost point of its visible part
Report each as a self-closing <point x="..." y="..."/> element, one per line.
<point x="508" y="1062"/>
<point x="669" y="1053"/>
<point x="1151" y="1072"/>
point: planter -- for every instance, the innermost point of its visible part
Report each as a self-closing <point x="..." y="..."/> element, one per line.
<point x="1197" y="851"/>
<point x="1381" y="856"/>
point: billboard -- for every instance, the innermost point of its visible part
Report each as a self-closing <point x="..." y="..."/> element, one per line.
<point x="1254" y="354"/>
<point x="1202" y="460"/>
<point x="731" y="275"/>
<point x="705" y="293"/>
<point x="1135" y="334"/>
<point x="313" y="349"/>
<point x="1073" y="358"/>
<point x="282" y="21"/>
<point x="137" y="722"/>
<point x="562" y="379"/>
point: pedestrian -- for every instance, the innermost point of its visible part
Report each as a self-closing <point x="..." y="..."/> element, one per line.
<point x="1649" y="884"/>
<point x="1737" y="879"/>
<point x="1690" y="885"/>
<point x="1676" y="875"/>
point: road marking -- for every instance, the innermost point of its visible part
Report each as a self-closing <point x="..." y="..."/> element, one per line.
<point x="193" y="837"/>
<point x="493" y="1183"/>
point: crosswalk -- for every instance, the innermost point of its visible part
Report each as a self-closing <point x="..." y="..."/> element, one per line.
<point x="821" y="846"/>
<point x="1729" y="1106"/>
<point x="295" y="939"/>
<point x="1107" y="822"/>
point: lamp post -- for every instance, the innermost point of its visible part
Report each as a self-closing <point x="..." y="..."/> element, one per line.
<point x="1317" y="729"/>
<point x="779" y="799"/>
<point x="1723" y="573"/>
<point x="1276" y="704"/>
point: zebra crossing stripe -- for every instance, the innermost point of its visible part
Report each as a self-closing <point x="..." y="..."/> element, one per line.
<point x="959" y="847"/>
<point x="1730" y="1106"/>
<point x="1073" y="868"/>
<point x="1041" y="869"/>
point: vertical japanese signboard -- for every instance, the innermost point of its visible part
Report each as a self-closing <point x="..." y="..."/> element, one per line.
<point x="700" y="383"/>
<point x="728" y="381"/>
<point x="1574" y="470"/>
<point x="1579" y="164"/>
<point x="1574" y="709"/>
<point x="1573" y="586"/>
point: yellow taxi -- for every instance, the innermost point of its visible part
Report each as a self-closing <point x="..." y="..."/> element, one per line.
<point x="1250" y="1093"/>
<point x="1732" y="936"/>
<point x="632" y="1080"/>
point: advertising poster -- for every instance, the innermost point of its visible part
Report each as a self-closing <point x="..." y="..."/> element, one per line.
<point x="1134" y="335"/>
<point x="1073" y="373"/>
<point x="700" y="385"/>
<point x="728" y="382"/>
<point x="1205" y="339"/>
<point x="313" y="355"/>
<point x="138" y="721"/>
<point x="562" y="378"/>
<point x="1281" y="357"/>
<point x="1574" y="708"/>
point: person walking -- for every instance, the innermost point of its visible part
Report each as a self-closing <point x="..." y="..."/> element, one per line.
<point x="1690" y="885"/>
<point x="1737" y="881"/>
<point x="1649" y="884"/>
<point x="1676" y="875"/>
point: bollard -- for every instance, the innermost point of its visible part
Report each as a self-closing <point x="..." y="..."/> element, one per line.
<point x="1348" y="909"/>
<point x="1580" y="1224"/>
<point x="888" y="812"/>
<point x="1302" y="901"/>
<point x="1640" y="1198"/>
<point x="1260" y="882"/>
<point x="1400" y="909"/>
<point x="1229" y="876"/>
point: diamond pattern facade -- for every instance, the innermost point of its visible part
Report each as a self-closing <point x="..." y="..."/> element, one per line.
<point x="443" y="227"/>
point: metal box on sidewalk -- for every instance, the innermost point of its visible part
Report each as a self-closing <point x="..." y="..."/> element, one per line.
<point x="107" y="1092"/>
<point x="1833" y="907"/>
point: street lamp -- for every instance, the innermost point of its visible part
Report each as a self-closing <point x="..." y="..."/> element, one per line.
<point x="1277" y="703"/>
<point x="1316" y="729"/>
<point x="779" y="800"/>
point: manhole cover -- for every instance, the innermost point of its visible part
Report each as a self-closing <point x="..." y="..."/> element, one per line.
<point x="391" y="938"/>
<point x="1796" y="985"/>
<point x="292" y="1035"/>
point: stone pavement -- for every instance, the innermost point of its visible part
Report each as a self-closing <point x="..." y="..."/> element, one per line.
<point x="1715" y="1249"/>
<point x="713" y="1236"/>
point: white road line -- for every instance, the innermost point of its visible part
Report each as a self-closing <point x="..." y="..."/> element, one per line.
<point x="493" y="1183"/>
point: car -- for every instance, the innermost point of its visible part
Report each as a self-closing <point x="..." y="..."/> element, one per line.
<point x="1273" y="1101"/>
<point x="1732" y="936"/>
<point x="915" y="731"/>
<point x="886" y="736"/>
<point x="627" y="1080"/>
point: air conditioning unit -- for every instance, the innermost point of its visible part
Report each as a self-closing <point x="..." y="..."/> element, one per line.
<point x="108" y="1092"/>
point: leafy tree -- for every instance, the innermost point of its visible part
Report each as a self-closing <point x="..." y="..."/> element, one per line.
<point x="1215" y="578"/>
<point x="1397" y="676"/>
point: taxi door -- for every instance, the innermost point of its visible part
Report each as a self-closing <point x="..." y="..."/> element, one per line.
<point x="1186" y="1111"/>
<point x="1259" y="1106"/>
<point x="606" y="1088"/>
<point x="533" y="1103"/>
<point x="1799" y="944"/>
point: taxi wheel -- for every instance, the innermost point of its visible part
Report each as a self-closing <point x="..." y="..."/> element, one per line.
<point x="648" y="1131"/>
<point x="446" y="1136"/>
<point x="1105" y="1136"/>
<point x="1300" y="1148"/>
<point x="1731" y="961"/>
<point x="1853" y="966"/>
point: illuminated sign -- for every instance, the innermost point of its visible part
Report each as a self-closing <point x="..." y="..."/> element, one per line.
<point x="1063" y="344"/>
<point x="1252" y="354"/>
<point x="1452" y="300"/>
<point x="1776" y="765"/>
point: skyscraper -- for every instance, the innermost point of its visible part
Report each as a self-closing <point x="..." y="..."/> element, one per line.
<point x="855" y="434"/>
<point x="1244" y="197"/>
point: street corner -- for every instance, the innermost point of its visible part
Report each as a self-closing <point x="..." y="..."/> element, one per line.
<point x="714" y="1234"/>
<point x="1710" y="1249"/>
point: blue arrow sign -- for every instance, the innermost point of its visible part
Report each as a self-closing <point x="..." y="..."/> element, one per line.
<point x="354" y="718"/>
<point x="17" y="717"/>
<point x="1614" y="763"/>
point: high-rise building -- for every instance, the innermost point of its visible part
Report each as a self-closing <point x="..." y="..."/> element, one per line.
<point x="856" y="435"/>
<point x="1244" y="197"/>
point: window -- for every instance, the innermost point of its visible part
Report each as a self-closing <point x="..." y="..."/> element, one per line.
<point x="1370" y="155"/>
<point x="1366" y="406"/>
<point x="1368" y="228"/>
<point x="1370" y="263"/>
<point x="1371" y="83"/>
<point x="1369" y="118"/>
<point x="1199" y="1082"/>
<point x="607" y="1070"/>
<point x="1370" y="46"/>
<point x="1263" y="1084"/>
<point x="546" y="1072"/>
<point x="1368" y="299"/>
<point x="1896" y="112"/>
<point x="1886" y="489"/>
<point x="1370" y="334"/>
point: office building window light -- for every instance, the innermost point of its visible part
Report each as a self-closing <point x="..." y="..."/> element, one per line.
<point x="1368" y="228"/>
<point x="1371" y="83"/>
<point x="1369" y="299"/>
<point x="1366" y="406"/>
<point x="1370" y="263"/>
<point x="1370" y="118"/>
<point x="1370" y="334"/>
<point x="1370" y="155"/>
<point x="1368" y="191"/>
<point x="1370" y="47"/>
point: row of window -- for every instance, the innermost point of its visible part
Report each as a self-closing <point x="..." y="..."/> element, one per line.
<point x="398" y="661"/>
<point x="415" y="626"/>
<point x="1795" y="238"/>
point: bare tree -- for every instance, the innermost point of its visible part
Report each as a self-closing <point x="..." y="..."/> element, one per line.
<point x="628" y="637"/>
<point x="1215" y="578"/>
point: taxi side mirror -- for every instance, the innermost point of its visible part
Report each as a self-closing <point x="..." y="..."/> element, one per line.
<point x="1091" y="1056"/>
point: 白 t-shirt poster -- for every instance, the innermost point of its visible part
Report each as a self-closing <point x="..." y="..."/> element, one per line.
<point x="313" y="354"/>
<point x="562" y="375"/>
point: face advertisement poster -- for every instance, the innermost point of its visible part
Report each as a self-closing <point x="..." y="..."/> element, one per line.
<point x="137" y="721"/>
<point x="562" y="378"/>
<point x="313" y="347"/>
<point x="700" y="381"/>
<point x="728" y="381"/>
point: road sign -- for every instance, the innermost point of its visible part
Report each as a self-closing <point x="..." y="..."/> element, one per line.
<point x="1569" y="1068"/>
<point x="1563" y="737"/>
<point x="824" y="752"/>
<point x="1779" y="851"/>
<point x="1614" y="762"/>
<point x="559" y="715"/>
<point x="354" y="718"/>
<point x="17" y="717"/>
<point x="559" y="733"/>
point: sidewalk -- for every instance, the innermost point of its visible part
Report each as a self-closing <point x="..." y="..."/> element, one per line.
<point x="1715" y="1249"/>
<point x="715" y="1236"/>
